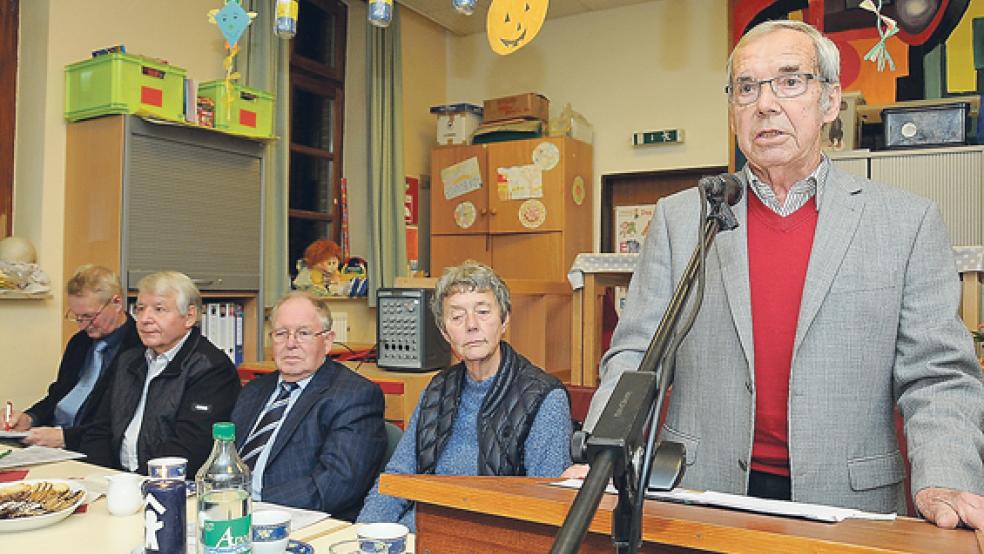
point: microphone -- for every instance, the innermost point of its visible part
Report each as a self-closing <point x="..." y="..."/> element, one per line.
<point x="721" y="188"/>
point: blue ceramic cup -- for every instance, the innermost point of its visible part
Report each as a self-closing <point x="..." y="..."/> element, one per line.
<point x="394" y="535"/>
<point x="271" y="531"/>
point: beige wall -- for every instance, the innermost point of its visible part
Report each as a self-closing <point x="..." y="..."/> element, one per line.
<point x="650" y="66"/>
<point x="54" y="33"/>
<point x="424" y="82"/>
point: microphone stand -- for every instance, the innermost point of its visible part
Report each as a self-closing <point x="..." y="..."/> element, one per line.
<point x="613" y="448"/>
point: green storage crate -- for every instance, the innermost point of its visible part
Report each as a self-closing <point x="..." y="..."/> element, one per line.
<point x="250" y="113"/>
<point x="123" y="84"/>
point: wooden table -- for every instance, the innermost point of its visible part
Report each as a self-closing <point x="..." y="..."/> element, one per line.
<point x="98" y="532"/>
<point x="522" y="514"/>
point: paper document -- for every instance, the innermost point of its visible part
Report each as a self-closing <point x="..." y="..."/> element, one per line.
<point x="12" y="434"/>
<point x="299" y="518"/>
<point x="816" y="512"/>
<point x="33" y="455"/>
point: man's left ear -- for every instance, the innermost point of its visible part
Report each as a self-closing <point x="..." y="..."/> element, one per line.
<point x="505" y="323"/>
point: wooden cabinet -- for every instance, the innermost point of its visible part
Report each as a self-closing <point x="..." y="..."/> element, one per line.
<point x="143" y="197"/>
<point x="522" y="207"/>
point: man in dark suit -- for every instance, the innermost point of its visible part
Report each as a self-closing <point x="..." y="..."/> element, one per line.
<point x="95" y="303"/>
<point x="163" y="399"/>
<point x="312" y="432"/>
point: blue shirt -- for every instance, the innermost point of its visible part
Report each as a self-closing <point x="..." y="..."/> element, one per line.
<point x="547" y="449"/>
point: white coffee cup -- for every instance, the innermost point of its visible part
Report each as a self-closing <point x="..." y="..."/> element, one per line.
<point x="393" y="534"/>
<point x="123" y="495"/>
<point x="271" y="531"/>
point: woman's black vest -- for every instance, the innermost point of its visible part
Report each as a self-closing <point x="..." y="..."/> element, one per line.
<point x="504" y="419"/>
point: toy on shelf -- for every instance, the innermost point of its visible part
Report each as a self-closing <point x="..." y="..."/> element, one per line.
<point x="318" y="269"/>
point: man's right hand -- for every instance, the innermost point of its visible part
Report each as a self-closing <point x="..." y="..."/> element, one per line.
<point x="20" y="421"/>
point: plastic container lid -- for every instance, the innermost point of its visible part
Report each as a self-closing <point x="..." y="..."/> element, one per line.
<point x="224" y="430"/>
<point x="172" y="467"/>
<point x="456" y="108"/>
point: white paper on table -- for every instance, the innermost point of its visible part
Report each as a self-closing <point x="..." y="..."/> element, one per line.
<point x="816" y="512"/>
<point x="34" y="455"/>
<point x="299" y="518"/>
<point x="12" y="434"/>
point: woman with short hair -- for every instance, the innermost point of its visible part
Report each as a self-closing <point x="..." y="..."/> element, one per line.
<point x="494" y="413"/>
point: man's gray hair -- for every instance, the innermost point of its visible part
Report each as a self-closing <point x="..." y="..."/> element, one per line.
<point x="470" y="276"/>
<point x="320" y="305"/>
<point x="827" y="54"/>
<point x="173" y="282"/>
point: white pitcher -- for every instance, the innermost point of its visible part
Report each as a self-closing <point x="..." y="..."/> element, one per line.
<point x="123" y="496"/>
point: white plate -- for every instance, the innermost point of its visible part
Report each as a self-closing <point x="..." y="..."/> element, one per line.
<point x="34" y="522"/>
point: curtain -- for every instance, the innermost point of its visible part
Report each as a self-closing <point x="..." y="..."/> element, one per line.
<point x="265" y="64"/>
<point x="387" y="227"/>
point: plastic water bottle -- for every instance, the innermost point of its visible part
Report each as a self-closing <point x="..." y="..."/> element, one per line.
<point x="225" y="507"/>
<point x="286" y="24"/>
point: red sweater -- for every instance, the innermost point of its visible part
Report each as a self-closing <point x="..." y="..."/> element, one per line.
<point x="778" y="255"/>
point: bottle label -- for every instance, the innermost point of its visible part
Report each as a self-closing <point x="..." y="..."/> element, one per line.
<point x="229" y="536"/>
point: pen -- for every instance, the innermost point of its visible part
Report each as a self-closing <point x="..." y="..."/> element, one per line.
<point x="7" y="412"/>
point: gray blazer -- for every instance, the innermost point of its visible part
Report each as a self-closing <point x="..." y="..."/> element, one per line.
<point x="877" y="326"/>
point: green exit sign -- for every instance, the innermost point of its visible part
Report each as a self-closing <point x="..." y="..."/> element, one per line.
<point x="665" y="136"/>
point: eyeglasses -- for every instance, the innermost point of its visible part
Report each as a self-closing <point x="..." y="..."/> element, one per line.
<point x="301" y="336"/>
<point x="85" y="319"/>
<point x="790" y="85"/>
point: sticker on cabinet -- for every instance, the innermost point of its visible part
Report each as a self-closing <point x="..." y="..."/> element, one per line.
<point x="546" y="156"/>
<point x="461" y="178"/>
<point x="464" y="214"/>
<point x="577" y="190"/>
<point x="532" y="213"/>
<point x="521" y="182"/>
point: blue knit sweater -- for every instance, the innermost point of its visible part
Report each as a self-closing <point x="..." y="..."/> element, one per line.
<point x="547" y="451"/>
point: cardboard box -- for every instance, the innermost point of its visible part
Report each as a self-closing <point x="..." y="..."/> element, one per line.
<point x="520" y="106"/>
<point x="456" y="123"/>
<point x="843" y="133"/>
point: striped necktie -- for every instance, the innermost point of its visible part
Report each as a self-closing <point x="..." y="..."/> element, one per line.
<point x="267" y="424"/>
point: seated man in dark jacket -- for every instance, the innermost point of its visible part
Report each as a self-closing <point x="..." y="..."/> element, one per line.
<point x="495" y="413"/>
<point x="95" y="302"/>
<point x="312" y="432"/>
<point x="163" y="400"/>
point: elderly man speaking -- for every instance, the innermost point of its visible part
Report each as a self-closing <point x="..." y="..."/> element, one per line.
<point x="834" y="300"/>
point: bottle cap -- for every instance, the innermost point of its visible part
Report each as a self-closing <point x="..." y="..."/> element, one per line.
<point x="224" y="430"/>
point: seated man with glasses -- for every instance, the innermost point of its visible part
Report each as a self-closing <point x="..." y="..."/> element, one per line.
<point x="312" y="432"/>
<point x="163" y="398"/>
<point x="95" y="302"/>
